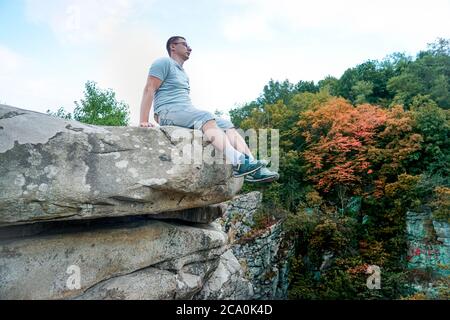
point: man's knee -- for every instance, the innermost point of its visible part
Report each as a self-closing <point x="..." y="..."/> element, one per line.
<point x="209" y="124"/>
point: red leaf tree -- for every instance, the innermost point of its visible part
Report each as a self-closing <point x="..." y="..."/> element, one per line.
<point x="338" y="137"/>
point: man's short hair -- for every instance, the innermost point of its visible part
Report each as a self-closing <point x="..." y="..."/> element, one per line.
<point x="172" y="40"/>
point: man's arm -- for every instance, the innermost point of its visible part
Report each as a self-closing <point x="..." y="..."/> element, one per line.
<point x="153" y="84"/>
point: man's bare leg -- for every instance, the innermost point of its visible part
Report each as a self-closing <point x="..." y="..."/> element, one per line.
<point x="237" y="141"/>
<point x="220" y="140"/>
<point x="243" y="164"/>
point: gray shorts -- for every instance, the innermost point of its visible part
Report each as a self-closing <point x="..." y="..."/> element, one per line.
<point x="189" y="117"/>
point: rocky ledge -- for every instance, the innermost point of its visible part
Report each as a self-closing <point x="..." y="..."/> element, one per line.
<point x="55" y="169"/>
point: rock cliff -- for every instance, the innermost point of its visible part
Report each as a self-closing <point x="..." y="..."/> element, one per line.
<point x="90" y="212"/>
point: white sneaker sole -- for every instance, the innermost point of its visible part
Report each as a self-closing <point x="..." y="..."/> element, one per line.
<point x="266" y="179"/>
<point x="246" y="173"/>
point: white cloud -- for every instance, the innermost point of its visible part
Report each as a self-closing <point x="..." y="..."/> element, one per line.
<point x="80" y="21"/>
<point x="401" y="18"/>
<point x="248" y="25"/>
<point x="10" y="61"/>
<point x="411" y="20"/>
<point x="126" y="60"/>
<point x="23" y="85"/>
<point x="325" y="37"/>
<point x="308" y="40"/>
<point x="220" y="80"/>
<point x="124" y="49"/>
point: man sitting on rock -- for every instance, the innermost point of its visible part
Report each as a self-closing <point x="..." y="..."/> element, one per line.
<point x="167" y="90"/>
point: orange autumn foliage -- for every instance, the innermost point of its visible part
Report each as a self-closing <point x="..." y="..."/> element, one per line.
<point x="396" y="145"/>
<point x="338" y="138"/>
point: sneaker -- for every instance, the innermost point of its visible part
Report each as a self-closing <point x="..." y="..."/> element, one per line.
<point x="246" y="168"/>
<point x="262" y="175"/>
<point x="265" y="162"/>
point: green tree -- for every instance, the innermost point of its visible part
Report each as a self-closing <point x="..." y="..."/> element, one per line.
<point x="306" y="86"/>
<point x="361" y="91"/>
<point x="101" y="107"/>
<point x="284" y="91"/>
<point x="61" y="113"/>
<point x="433" y="124"/>
<point x="441" y="47"/>
<point x="371" y="77"/>
<point x="429" y="75"/>
<point x="240" y="113"/>
<point x="382" y="162"/>
<point x="274" y="91"/>
<point x="330" y="84"/>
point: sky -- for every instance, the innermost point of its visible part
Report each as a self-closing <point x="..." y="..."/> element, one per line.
<point x="49" y="49"/>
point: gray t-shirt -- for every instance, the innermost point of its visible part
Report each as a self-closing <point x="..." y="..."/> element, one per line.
<point x="174" y="89"/>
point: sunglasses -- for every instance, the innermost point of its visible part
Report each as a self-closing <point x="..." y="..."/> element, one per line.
<point x="183" y="43"/>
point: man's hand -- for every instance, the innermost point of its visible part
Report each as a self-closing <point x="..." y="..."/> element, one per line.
<point x="151" y="124"/>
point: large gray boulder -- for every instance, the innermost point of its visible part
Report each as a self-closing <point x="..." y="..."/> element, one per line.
<point x="228" y="282"/>
<point x="122" y="258"/>
<point x="132" y="259"/>
<point x="55" y="169"/>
